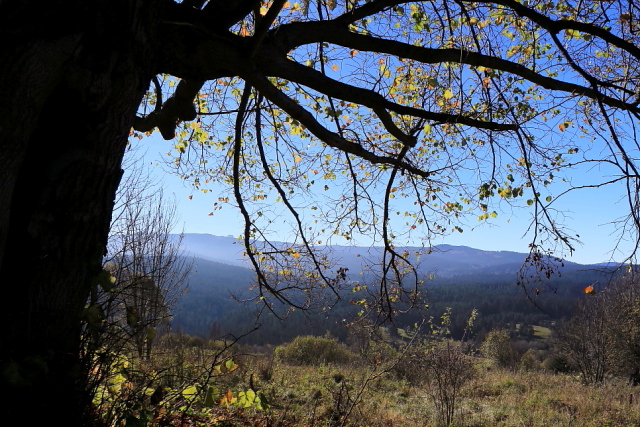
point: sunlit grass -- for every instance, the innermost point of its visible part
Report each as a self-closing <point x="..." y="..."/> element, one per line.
<point x="494" y="398"/>
<point x="541" y="332"/>
<point x="378" y="392"/>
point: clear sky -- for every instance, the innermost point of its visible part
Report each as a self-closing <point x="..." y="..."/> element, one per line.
<point x="589" y="214"/>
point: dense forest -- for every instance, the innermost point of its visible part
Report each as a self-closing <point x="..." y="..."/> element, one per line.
<point x="219" y="301"/>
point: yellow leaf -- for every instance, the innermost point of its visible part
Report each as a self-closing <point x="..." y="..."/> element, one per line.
<point x="334" y="67"/>
<point x="448" y="94"/>
<point x="296" y="159"/>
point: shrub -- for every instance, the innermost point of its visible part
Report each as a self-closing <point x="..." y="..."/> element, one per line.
<point x="448" y="369"/>
<point x="498" y="347"/>
<point x="310" y="350"/>
<point x="529" y="361"/>
<point x="558" y="364"/>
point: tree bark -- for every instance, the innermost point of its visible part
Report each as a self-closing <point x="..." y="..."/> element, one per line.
<point x="73" y="76"/>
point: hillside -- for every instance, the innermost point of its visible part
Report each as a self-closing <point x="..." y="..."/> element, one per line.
<point x="464" y="279"/>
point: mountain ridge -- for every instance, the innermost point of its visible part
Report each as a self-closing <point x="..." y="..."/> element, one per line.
<point x="464" y="278"/>
<point x="445" y="259"/>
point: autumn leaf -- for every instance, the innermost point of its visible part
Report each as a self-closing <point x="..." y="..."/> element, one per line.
<point x="227" y="399"/>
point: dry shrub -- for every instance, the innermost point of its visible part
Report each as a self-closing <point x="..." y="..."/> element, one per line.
<point x="310" y="350"/>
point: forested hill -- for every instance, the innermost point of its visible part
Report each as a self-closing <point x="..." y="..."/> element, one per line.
<point x="465" y="278"/>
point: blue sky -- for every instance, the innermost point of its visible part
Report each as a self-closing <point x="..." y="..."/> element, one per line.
<point x="588" y="213"/>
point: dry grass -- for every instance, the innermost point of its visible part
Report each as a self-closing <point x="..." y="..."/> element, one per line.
<point x="364" y="395"/>
<point x="494" y="398"/>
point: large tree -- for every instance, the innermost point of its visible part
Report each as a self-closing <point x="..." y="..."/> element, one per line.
<point x="452" y="103"/>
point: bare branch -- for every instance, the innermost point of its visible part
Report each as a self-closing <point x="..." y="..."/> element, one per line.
<point x="330" y="138"/>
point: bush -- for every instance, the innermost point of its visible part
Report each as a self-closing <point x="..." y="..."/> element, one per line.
<point x="558" y="364"/>
<point x="498" y="347"/>
<point x="448" y="369"/>
<point x="310" y="350"/>
<point x="529" y="361"/>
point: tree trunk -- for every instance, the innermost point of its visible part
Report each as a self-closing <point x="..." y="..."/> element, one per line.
<point x="73" y="75"/>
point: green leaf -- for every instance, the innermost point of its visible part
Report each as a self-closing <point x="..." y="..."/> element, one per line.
<point x="229" y="365"/>
<point x="105" y="280"/>
<point x="210" y="397"/>
<point x="190" y="392"/>
<point x="247" y="398"/>
<point x="261" y="401"/>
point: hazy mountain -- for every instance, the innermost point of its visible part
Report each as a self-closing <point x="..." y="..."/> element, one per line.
<point x="465" y="278"/>
<point x="443" y="260"/>
<point x="227" y="250"/>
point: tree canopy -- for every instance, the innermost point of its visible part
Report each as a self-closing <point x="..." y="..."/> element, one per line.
<point x="396" y="119"/>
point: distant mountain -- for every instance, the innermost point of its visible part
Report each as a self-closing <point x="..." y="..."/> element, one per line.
<point x="443" y="260"/>
<point x="227" y="250"/>
<point x="465" y="278"/>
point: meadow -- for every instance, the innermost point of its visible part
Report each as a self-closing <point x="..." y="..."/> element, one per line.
<point x="318" y="381"/>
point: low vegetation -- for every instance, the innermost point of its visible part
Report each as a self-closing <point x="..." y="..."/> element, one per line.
<point x="199" y="382"/>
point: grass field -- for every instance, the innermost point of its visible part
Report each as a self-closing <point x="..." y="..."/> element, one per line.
<point x="362" y="394"/>
<point x="381" y="387"/>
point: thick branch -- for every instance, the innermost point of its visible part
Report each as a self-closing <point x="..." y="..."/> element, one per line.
<point x="226" y="13"/>
<point x="555" y="26"/>
<point x="296" y="34"/>
<point x="264" y="24"/>
<point x="332" y="139"/>
<point x="177" y="108"/>
<point x="290" y="70"/>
